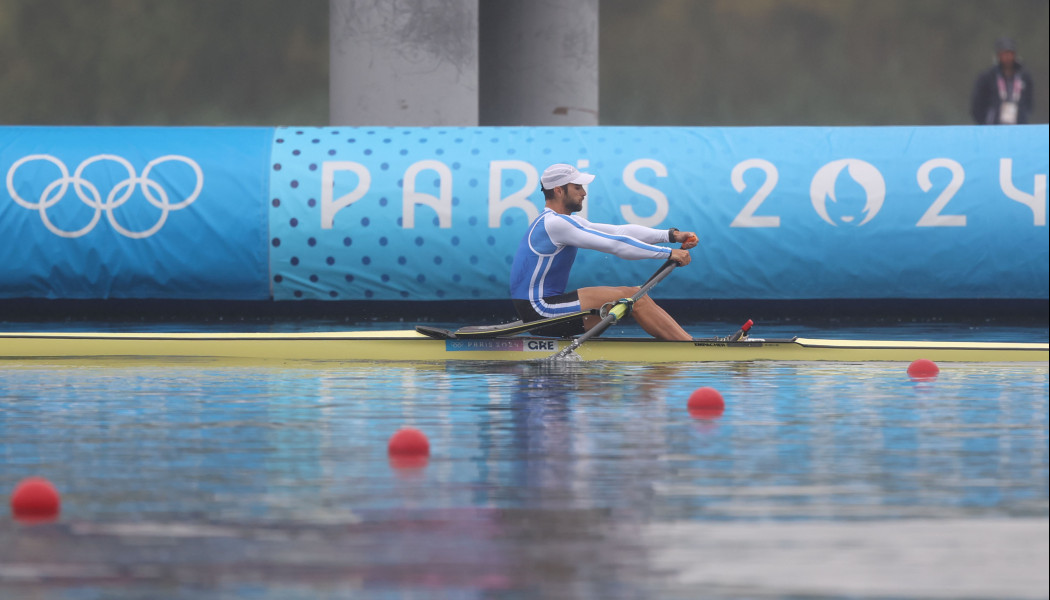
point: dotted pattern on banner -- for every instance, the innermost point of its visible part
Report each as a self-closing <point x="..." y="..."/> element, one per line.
<point x="369" y="254"/>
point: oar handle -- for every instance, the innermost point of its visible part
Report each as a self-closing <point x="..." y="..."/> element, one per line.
<point x="618" y="311"/>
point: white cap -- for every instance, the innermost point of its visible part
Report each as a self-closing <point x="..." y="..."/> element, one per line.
<point x="562" y="174"/>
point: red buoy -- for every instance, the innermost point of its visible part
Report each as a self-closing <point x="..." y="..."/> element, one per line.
<point x="706" y="403"/>
<point x="409" y="441"/>
<point x="35" y="500"/>
<point x="923" y="369"/>
<point x="409" y="449"/>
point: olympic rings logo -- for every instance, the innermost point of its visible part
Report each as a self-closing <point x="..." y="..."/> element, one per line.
<point x="90" y="195"/>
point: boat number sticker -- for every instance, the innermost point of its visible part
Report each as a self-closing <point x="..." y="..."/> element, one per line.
<point x="497" y="345"/>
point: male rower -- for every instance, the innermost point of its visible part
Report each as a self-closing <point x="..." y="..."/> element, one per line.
<point x="541" y="266"/>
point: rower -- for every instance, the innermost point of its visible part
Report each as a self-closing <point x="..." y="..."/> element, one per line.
<point x="540" y="272"/>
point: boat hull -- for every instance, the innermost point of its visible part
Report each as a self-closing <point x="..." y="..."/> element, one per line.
<point x="413" y="346"/>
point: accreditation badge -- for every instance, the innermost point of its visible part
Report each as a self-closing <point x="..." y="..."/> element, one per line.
<point x="1008" y="113"/>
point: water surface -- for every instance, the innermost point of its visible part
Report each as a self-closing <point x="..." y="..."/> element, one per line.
<point x="577" y="480"/>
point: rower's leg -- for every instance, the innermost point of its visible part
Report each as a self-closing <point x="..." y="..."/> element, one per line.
<point x="653" y="319"/>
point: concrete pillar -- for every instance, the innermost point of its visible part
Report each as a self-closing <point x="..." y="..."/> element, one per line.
<point x="403" y="62"/>
<point x="539" y="62"/>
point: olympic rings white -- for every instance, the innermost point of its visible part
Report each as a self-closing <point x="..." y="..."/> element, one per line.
<point x="90" y="195"/>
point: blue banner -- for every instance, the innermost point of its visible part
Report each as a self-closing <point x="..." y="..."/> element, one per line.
<point x="436" y="213"/>
<point x="138" y="212"/>
<point x="782" y="213"/>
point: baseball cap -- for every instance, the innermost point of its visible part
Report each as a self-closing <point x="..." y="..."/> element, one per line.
<point x="562" y="174"/>
<point x="1005" y="44"/>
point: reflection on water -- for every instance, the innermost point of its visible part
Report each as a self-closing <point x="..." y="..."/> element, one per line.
<point x="575" y="480"/>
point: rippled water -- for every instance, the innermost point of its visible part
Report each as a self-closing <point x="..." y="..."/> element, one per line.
<point x="579" y="480"/>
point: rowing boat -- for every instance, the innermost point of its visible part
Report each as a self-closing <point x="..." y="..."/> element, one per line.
<point x="515" y="341"/>
<point x="411" y="345"/>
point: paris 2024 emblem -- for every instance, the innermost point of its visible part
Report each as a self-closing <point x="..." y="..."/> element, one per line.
<point x="848" y="206"/>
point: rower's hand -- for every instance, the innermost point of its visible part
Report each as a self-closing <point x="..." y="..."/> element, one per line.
<point x="680" y="256"/>
<point x="688" y="239"/>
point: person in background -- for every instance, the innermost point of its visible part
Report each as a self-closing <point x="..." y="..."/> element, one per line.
<point x="540" y="272"/>
<point x="1002" y="95"/>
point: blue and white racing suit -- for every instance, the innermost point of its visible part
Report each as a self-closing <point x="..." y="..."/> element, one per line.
<point x="546" y="253"/>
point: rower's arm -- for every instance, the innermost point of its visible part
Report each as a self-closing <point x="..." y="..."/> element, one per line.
<point x="638" y="232"/>
<point x="613" y="239"/>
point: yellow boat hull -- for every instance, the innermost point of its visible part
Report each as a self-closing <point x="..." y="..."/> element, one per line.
<point x="412" y="346"/>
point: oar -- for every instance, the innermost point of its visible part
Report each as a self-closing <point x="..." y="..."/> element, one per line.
<point x="500" y="330"/>
<point x="617" y="312"/>
<point x="508" y="329"/>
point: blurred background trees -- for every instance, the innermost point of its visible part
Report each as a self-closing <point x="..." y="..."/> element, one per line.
<point x="663" y="62"/>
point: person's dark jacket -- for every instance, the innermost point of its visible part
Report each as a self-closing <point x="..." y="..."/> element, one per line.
<point x="986" y="97"/>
